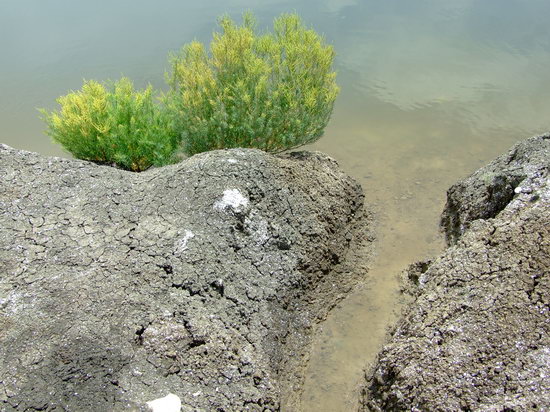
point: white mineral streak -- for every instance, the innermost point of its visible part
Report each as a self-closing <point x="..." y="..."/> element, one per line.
<point x="262" y="232"/>
<point x="181" y="244"/>
<point x="258" y="227"/>
<point x="231" y="198"/>
<point x="170" y="403"/>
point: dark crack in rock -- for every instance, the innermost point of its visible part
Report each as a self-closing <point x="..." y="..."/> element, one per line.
<point x="201" y="279"/>
<point x="477" y="335"/>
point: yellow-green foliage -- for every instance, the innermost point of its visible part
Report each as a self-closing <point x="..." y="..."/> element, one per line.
<point x="114" y="125"/>
<point x="273" y="91"/>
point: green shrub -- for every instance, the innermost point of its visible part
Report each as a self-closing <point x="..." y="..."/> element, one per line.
<point x="273" y="91"/>
<point x="114" y="125"/>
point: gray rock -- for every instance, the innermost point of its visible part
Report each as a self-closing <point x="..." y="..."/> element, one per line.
<point x="477" y="335"/>
<point x="489" y="190"/>
<point x="201" y="279"/>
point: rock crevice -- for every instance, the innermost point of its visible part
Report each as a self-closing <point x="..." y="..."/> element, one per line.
<point x="477" y="334"/>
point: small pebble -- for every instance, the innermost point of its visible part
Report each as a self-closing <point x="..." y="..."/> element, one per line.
<point x="170" y="403"/>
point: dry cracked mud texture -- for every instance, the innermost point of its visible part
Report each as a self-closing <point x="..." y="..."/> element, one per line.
<point x="201" y="279"/>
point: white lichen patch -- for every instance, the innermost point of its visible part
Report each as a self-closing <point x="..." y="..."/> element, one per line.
<point x="170" y="403"/>
<point x="232" y="198"/>
<point x="231" y="160"/>
<point x="182" y="244"/>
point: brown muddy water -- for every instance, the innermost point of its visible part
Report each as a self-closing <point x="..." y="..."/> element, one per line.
<point x="431" y="90"/>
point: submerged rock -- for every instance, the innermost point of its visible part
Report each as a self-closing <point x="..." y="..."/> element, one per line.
<point x="477" y="336"/>
<point x="201" y="280"/>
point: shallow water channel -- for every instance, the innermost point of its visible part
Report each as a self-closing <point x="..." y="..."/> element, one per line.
<point x="431" y="90"/>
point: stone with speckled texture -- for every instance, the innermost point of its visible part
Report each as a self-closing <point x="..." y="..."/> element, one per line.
<point x="201" y="279"/>
<point x="476" y="336"/>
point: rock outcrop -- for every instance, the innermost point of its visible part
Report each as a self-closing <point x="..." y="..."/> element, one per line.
<point x="477" y="334"/>
<point x="201" y="279"/>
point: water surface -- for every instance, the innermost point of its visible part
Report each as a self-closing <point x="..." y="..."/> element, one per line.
<point x="431" y="90"/>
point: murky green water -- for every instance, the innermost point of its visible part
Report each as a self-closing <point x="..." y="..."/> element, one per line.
<point x="431" y="90"/>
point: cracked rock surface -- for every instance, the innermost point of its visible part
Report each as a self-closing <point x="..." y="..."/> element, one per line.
<point x="201" y="279"/>
<point x="477" y="334"/>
